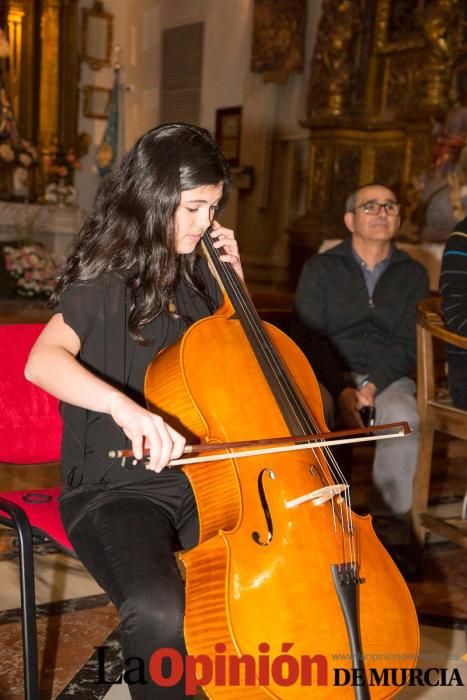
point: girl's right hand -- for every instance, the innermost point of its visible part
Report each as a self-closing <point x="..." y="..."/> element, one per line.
<point x="146" y="429"/>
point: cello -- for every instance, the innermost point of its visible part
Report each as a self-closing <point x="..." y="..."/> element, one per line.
<point x="296" y="593"/>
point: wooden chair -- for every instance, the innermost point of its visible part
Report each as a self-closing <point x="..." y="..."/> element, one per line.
<point x="435" y="414"/>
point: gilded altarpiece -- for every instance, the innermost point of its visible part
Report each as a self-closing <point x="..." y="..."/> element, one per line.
<point x="42" y="70"/>
<point x="382" y="73"/>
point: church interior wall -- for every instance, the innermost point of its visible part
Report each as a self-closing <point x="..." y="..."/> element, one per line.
<point x="309" y="132"/>
<point x="273" y="143"/>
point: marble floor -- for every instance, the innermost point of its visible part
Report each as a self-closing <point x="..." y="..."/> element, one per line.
<point x="74" y="615"/>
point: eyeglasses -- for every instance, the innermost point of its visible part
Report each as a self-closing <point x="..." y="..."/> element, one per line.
<point x="373" y="208"/>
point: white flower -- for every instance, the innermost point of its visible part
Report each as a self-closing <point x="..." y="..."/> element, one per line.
<point x="6" y="152"/>
<point x="25" y="160"/>
<point x="33" y="268"/>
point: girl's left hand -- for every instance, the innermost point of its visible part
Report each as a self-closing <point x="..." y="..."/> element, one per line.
<point x="225" y="238"/>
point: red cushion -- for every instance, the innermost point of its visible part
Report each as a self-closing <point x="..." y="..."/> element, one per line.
<point x="41" y="507"/>
<point x="30" y="424"/>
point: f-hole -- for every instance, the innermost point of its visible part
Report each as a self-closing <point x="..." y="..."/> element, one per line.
<point x="267" y="514"/>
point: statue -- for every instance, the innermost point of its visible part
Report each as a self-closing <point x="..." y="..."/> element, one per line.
<point x="278" y="38"/>
<point x="441" y="25"/>
<point x="439" y="29"/>
<point x="64" y="215"/>
<point x="333" y="61"/>
<point x="61" y="194"/>
<point x="442" y="192"/>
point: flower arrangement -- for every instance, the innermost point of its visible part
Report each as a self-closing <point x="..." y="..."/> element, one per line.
<point x="22" y="153"/>
<point x="13" y="149"/>
<point x="61" y="194"/>
<point x="60" y="162"/>
<point x="30" y="268"/>
<point x="33" y="268"/>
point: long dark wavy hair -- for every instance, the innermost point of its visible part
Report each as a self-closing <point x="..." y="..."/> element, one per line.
<point x="130" y="230"/>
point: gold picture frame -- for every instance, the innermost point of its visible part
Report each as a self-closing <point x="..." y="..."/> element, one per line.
<point x="228" y="133"/>
<point x="96" y="102"/>
<point x="413" y="38"/>
<point x="96" y="36"/>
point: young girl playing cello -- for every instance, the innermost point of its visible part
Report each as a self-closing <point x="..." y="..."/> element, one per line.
<point x="132" y="284"/>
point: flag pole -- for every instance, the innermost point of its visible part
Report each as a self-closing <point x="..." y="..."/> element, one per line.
<point x="109" y="151"/>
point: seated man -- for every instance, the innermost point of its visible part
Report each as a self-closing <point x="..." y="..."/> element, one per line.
<point x="453" y="289"/>
<point x="357" y="303"/>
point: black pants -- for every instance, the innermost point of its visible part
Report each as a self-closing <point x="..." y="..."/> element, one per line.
<point x="126" y="538"/>
<point x="457" y="375"/>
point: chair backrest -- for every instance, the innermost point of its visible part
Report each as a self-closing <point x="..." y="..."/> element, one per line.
<point x="30" y="423"/>
<point x="430" y="317"/>
<point x="430" y="358"/>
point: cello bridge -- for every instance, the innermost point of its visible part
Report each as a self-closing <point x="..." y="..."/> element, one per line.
<point x="320" y="496"/>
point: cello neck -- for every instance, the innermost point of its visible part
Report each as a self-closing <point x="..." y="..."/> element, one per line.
<point x="293" y="409"/>
<point x="234" y="288"/>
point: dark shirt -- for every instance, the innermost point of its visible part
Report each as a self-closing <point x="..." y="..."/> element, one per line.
<point x="98" y="312"/>
<point x="453" y="283"/>
<point x="345" y="330"/>
<point x="371" y="276"/>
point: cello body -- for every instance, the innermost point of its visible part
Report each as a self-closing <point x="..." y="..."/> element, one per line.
<point x="262" y="582"/>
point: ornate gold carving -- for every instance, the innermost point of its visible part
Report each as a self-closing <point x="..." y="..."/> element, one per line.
<point x="347" y="166"/>
<point x="27" y="112"/>
<point x="398" y="26"/>
<point x="48" y="94"/>
<point x="381" y="24"/>
<point x="320" y="158"/>
<point x="68" y="75"/>
<point x="402" y="89"/>
<point x="388" y="160"/>
<point x="375" y="89"/>
<point x="332" y="69"/>
<point x="409" y="230"/>
<point x="15" y="37"/>
<point x="443" y="31"/>
<point x="278" y="38"/>
<point x="43" y="71"/>
<point x="417" y="156"/>
<point x="96" y="35"/>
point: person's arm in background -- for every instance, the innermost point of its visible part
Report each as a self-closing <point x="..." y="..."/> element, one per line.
<point x="453" y="280"/>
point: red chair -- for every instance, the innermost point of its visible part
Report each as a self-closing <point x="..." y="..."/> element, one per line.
<point x="30" y="433"/>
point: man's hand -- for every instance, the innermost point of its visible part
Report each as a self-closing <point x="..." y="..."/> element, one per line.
<point x="367" y="395"/>
<point x="349" y="405"/>
<point x="351" y="400"/>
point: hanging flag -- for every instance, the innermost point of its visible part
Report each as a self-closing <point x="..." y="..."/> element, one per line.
<point x="107" y="151"/>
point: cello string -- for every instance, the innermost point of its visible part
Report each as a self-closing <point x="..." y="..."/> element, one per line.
<point x="250" y="315"/>
<point x="284" y="381"/>
<point x="266" y="348"/>
<point x="276" y="366"/>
